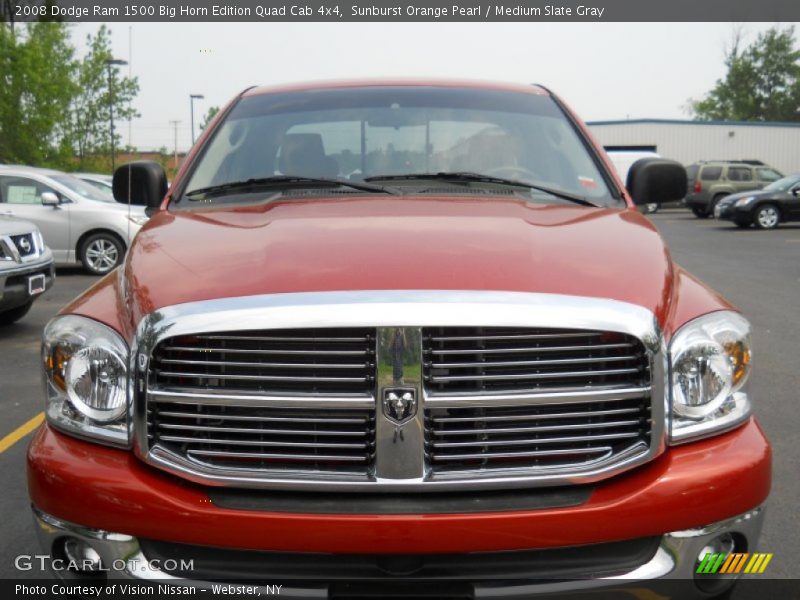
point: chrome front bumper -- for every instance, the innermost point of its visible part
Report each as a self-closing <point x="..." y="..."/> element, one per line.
<point x="674" y="562"/>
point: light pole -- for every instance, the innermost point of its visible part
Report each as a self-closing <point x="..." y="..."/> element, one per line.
<point x="175" y="148"/>
<point x="112" y="62"/>
<point x="192" y="98"/>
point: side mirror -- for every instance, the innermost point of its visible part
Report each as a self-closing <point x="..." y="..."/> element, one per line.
<point x="656" y="180"/>
<point x="50" y="199"/>
<point x="142" y="182"/>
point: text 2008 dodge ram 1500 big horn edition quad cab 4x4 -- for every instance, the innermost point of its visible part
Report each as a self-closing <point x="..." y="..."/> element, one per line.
<point x="403" y="336"/>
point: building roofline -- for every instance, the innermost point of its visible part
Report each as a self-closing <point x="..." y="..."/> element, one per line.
<point x="691" y="122"/>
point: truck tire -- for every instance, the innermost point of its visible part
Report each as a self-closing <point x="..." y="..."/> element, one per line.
<point x="700" y="213"/>
<point x="101" y="252"/>
<point x="15" y="314"/>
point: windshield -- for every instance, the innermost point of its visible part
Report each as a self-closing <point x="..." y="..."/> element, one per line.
<point x="358" y="134"/>
<point x="783" y="185"/>
<point x="83" y="189"/>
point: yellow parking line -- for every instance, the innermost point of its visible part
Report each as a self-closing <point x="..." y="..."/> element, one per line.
<point x="793" y="241"/>
<point x="20" y="432"/>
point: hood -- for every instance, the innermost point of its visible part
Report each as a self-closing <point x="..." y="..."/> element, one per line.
<point x="13" y="226"/>
<point x="382" y="243"/>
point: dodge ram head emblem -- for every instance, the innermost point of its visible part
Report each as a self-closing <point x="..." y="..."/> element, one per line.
<point x="400" y="404"/>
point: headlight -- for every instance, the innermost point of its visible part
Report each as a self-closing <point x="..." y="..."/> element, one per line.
<point x="138" y="219"/>
<point x="709" y="366"/>
<point x="86" y="379"/>
<point x="744" y="201"/>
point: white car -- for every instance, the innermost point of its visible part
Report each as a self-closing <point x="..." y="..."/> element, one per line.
<point x="101" y="182"/>
<point x="80" y="223"/>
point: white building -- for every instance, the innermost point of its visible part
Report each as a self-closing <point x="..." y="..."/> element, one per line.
<point x="776" y="144"/>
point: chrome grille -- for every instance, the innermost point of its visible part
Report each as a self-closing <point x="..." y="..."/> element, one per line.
<point x="511" y="390"/>
<point x="493" y="359"/>
<point x="535" y="436"/>
<point x="266" y="400"/>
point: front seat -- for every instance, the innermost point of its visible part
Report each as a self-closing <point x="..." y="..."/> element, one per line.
<point x="303" y="155"/>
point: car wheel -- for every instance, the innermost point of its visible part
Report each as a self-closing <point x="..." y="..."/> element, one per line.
<point x="700" y="213"/>
<point x="767" y="217"/>
<point x="15" y="314"/>
<point x="100" y="253"/>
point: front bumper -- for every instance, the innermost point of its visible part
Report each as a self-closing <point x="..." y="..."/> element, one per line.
<point x="14" y="282"/>
<point x="670" y="569"/>
<point x="118" y="501"/>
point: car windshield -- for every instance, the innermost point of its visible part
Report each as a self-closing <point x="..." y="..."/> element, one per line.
<point x="83" y="189"/>
<point x="783" y="185"/>
<point x="401" y="134"/>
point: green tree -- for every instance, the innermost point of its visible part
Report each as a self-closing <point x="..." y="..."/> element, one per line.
<point x="89" y="125"/>
<point x="36" y="88"/>
<point x="762" y="82"/>
<point x="209" y="115"/>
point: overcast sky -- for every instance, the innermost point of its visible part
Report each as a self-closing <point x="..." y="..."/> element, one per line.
<point x="604" y="71"/>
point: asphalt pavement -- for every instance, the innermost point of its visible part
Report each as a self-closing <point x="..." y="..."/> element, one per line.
<point x="759" y="271"/>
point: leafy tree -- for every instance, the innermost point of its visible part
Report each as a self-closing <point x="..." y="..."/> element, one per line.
<point x="209" y="115"/>
<point x="89" y="125"/>
<point x="36" y="88"/>
<point x="762" y="82"/>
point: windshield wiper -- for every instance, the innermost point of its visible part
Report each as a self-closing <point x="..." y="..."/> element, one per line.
<point x="280" y="181"/>
<point x="470" y="177"/>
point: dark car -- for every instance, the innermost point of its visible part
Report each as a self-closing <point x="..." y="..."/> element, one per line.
<point x="767" y="208"/>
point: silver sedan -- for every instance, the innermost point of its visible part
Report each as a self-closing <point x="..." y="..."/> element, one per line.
<point x="80" y="223"/>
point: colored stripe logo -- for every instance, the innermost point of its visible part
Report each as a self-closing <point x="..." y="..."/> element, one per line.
<point x="733" y="563"/>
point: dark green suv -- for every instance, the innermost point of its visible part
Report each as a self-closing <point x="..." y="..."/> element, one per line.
<point x="711" y="181"/>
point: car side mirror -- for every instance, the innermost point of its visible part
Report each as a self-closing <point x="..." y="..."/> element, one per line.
<point x="142" y="182"/>
<point x="50" y="199"/>
<point x="656" y="181"/>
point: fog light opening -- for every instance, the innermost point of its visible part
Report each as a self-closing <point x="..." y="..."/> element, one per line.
<point x="80" y="559"/>
<point x="711" y="559"/>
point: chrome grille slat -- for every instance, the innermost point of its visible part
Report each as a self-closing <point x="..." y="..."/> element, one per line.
<point x="185" y="415"/>
<point x="558" y="440"/>
<point x="256" y="365"/>
<point x="532" y="454"/>
<point x="553" y="375"/>
<point x="545" y="429"/>
<point x="257" y="431"/>
<point x="273" y="338"/>
<point x="536" y="417"/>
<point x="519" y="336"/>
<point x="279" y="444"/>
<point x="190" y="375"/>
<point x="267" y="352"/>
<point x="271" y="401"/>
<point x="530" y="363"/>
<point x="271" y="456"/>
<point x="532" y="349"/>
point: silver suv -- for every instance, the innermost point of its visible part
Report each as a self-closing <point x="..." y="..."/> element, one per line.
<point x="80" y="223"/>
<point x="26" y="268"/>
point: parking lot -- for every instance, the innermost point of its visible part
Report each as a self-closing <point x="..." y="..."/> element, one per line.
<point x="756" y="270"/>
